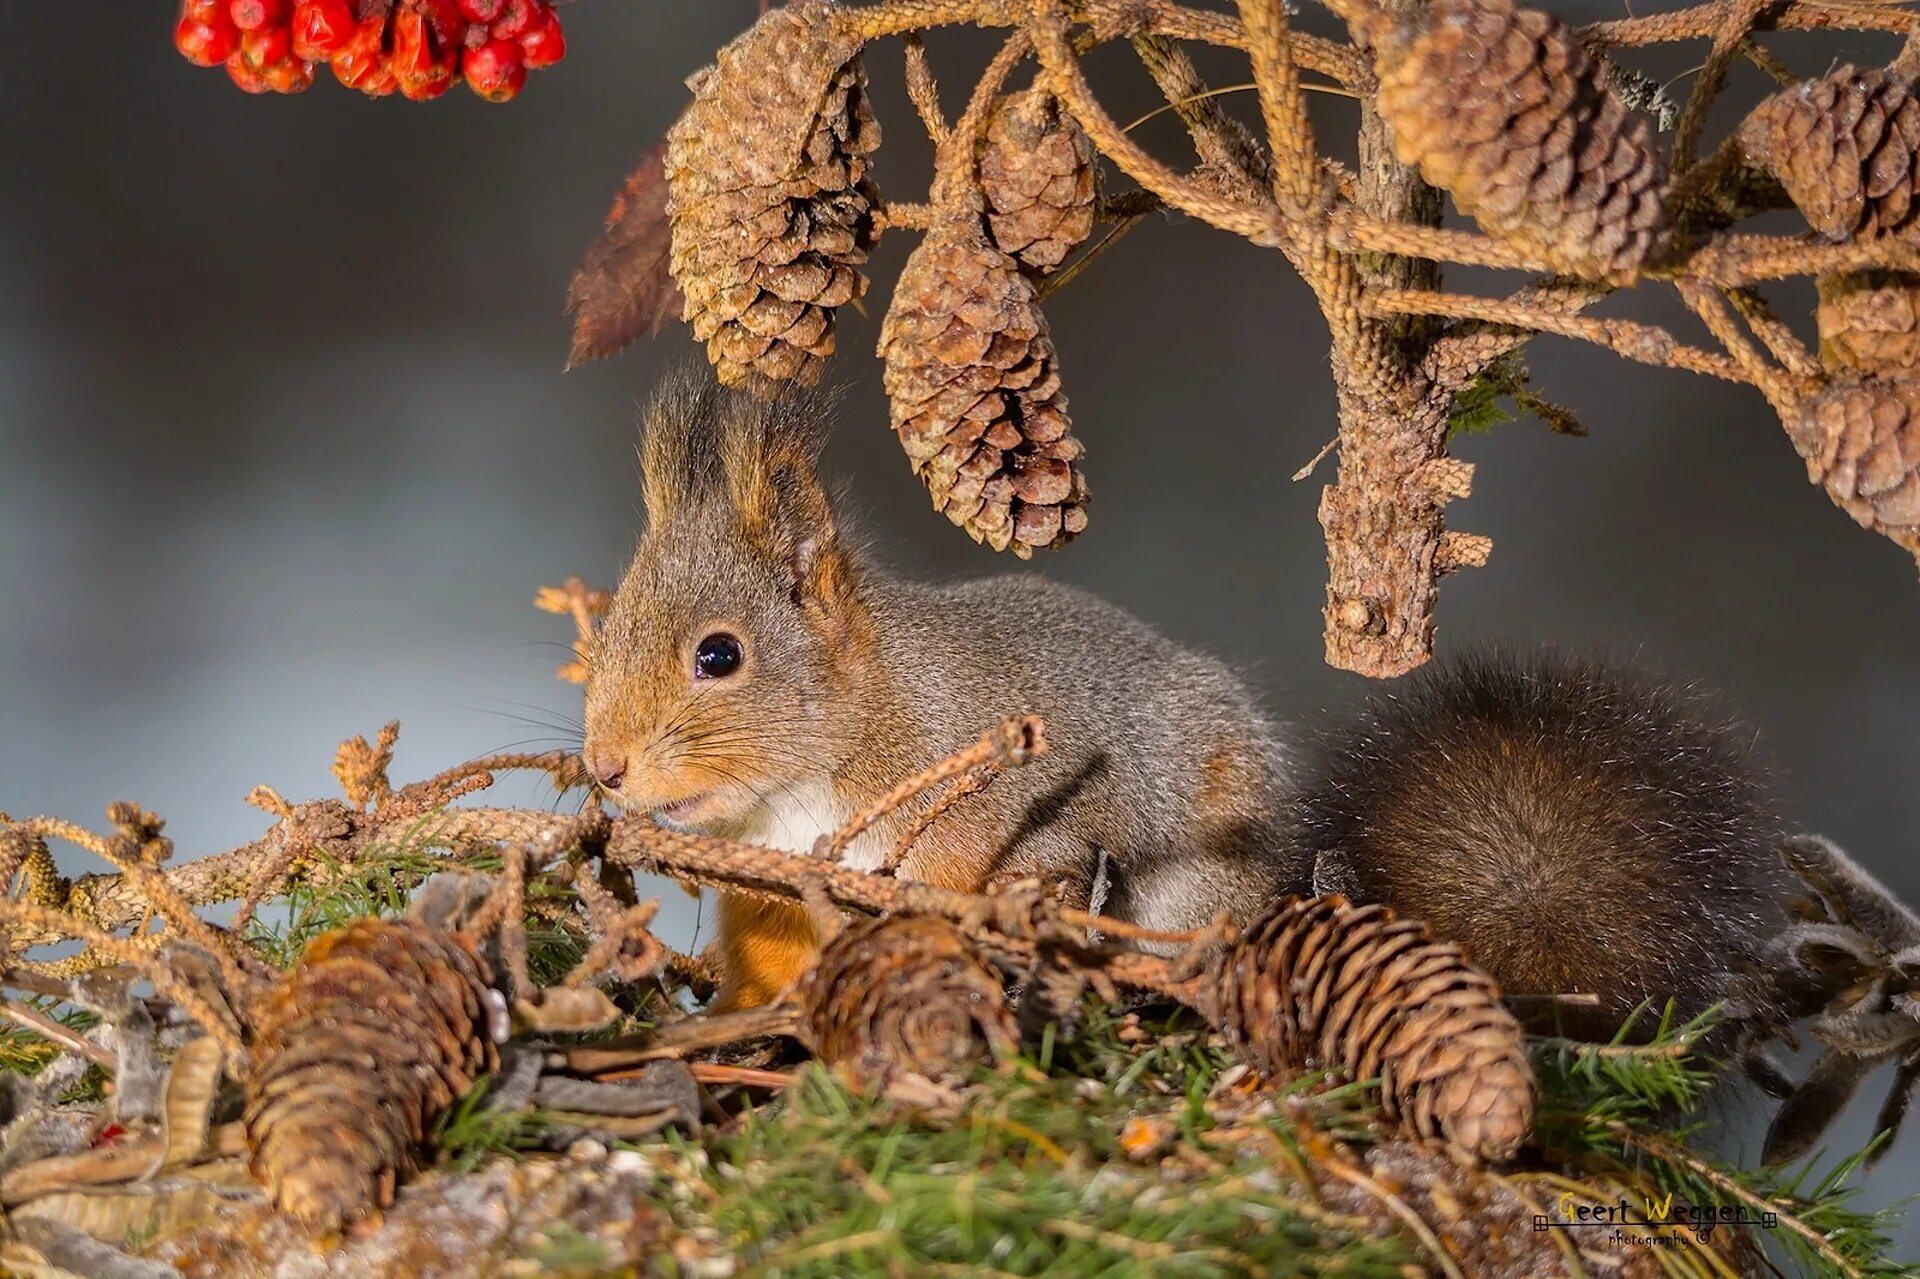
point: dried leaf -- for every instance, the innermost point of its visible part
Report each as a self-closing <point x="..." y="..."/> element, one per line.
<point x="621" y="287"/>
<point x="1146" y="1137"/>
<point x="565" y="1010"/>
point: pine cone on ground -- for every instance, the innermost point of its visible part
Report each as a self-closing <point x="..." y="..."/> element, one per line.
<point x="1869" y="320"/>
<point x="769" y="201"/>
<point x="1038" y="173"/>
<point x="1321" y="984"/>
<point x="905" y="1002"/>
<point x="971" y="375"/>
<point x="1503" y="108"/>
<point x="379" y="1027"/>
<point x="1861" y="441"/>
<point x="1844" y="146"/>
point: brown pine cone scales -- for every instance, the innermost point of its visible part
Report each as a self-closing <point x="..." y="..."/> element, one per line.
<point x="1861" y="441"/>
<point x="1869" y="320"/>
<point x="975" y="391"/>
<point x="1321" y="984"/>
<point x="905" y="1001"/>
<point x="1500" y="106"/>
<point x="379" y="1026"/>
<point x="1038" y="174"/>
<point x="769" y="202"/>
<point x="1844" y="148"/>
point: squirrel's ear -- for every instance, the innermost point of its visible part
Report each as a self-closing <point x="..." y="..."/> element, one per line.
<point x="796" y="527"/>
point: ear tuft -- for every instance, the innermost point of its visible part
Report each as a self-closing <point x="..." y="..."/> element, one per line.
<point x="756" y="459"/>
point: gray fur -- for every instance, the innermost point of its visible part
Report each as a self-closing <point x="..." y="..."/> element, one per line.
<point x="1160" y="756"/>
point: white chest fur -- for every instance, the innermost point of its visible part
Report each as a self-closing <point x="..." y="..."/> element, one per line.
<point x="795" y="818"/>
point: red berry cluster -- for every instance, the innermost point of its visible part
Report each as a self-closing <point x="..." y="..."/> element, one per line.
<point x="416" y="47"/>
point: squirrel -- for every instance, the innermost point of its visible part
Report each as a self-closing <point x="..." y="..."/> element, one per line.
<point x="1579" y="829"/>
<point x="758" y="676"/>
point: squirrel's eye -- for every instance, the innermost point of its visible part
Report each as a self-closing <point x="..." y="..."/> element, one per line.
<point x="717" y="657"/>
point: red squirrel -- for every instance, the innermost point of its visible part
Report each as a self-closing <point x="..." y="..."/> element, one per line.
<point x="758" y="676"/>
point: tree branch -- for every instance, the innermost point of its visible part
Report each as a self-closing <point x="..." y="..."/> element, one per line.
<point x="1645" y="343"/>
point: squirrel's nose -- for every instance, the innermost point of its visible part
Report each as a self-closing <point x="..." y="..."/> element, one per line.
<point x="608" y="768"/>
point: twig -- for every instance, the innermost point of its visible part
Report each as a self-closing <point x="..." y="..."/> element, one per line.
<point x="1060" y="279"/>
<point x="1774" y="334"/>
<point x="971" y="782"/>
<point x="1703" y="20"/>
<point x="1048" y="26"/>
<point x="677" y="1039"/>
<point x="904" y="216"/>
<point x="713" y="1072"/>
<point x="1354" y="231"/>
<point x="338" y="833"/>
<point x="923" y="90"/>
<point x="624" y="928"/>
<point x="956" y="181"/>
<point x="1009" y="744"/>
<point x="1456" y="357"/>
<point x="1297" y="187"/>
<point x="1730" y="32"/>
<point x="1735" y="261"/>
<point x="1219" y="140"/>
<point x="1106" y="20"/>
<point x="47" y="1027"/>
<point x="1646" y="343"/>
<point x="126" y="951"/>
<point x="1774" y="382"/>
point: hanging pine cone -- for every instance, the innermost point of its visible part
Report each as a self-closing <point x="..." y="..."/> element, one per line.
<point x="1038" y="174"/>
<point x="906" y="1001"/>
<point x="1502" y="107"/>
<point x="1844" y="147"/>
<point x="1320" y="984"/>
<point x="768" y="197"/>
<point x="1861" y="441"/>
<point x="975" y="394"/>
<point x="379" y="1026"/>
<point x="1869" y="320"/>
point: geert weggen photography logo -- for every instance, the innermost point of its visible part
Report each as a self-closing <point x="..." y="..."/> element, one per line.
<point x="1658" y="1221"/>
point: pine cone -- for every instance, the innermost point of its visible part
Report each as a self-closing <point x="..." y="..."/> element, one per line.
<point x="1869" y="320"/>
<point x="1320" y="984"/>
<point x="1861" y="440"/>
<point x="380" y="1026"/>
<point x="1503" y="108"/>
<point x="1844" y="148"/>
<point x="971" y="374"/>
<point x="769" y="201"/>
<point x="905" y="1001"/>
<point x="1037" y="172"/>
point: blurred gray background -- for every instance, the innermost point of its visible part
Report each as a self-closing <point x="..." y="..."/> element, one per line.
<point x="285" y="446"/>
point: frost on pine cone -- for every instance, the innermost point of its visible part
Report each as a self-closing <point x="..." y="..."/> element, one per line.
<point x="1321" y="984"/>
<point x="769" y="201"/>
<point x="1037" y="172"/>
<point x="1869" y="320"/>
<point x="905" y="1001"/>
<point x="1844" y="148"/>
<point x="1861" y="441"/>
<point x="971" y="375"/>
<point x="1500" y="106"/>
<point x="380" y="1026"/>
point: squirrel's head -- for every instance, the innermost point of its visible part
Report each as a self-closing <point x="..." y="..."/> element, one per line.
<point x="715" y="678"/>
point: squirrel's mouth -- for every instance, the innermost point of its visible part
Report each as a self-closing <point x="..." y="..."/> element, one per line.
<point x="682" y="812"/>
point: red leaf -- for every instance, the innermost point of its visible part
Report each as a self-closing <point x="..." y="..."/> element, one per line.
<point x="621" y="287"/>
